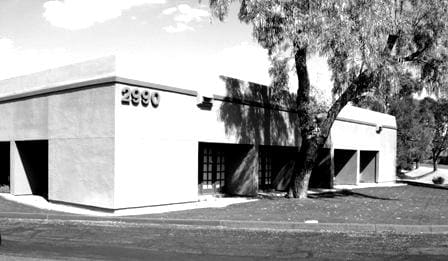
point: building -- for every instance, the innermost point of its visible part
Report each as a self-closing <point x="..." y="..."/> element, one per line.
<point x="86" y="134"/>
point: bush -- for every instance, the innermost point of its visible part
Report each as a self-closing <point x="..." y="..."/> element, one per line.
<point x="4" y="189"/>
<point x="438" y="180"/>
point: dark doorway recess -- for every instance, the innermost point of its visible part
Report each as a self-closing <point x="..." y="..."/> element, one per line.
<point x="212" y="168"/>
<point x="276" y="165"/>
<point x="265" y="155"/>
<point x="34" y="157"/>
<point x="4" y="167"/>
<point x="368" y="166"/>
<point x="345" y="167"/>
<point x="341" y="159"/>
<point x="321" y="175"/>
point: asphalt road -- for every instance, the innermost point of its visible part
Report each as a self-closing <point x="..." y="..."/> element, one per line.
<point x="86" y="240"/>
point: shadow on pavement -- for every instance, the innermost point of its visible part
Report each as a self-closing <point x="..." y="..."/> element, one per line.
<point x="345" y="193"/>
<point x="405" y="176"/>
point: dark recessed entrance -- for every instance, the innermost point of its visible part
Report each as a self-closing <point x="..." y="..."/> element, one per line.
<point x="265" y="156"/>
<point x="321" y="175"/>
<point x="212" y="168"/>
<point x="4" y="167"/>
<point x="368" y="166"/>
<point x="345" y="167"/>
<point x="34" y="157"/>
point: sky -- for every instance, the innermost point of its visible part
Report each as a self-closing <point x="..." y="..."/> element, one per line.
<point x="173" y="39"/>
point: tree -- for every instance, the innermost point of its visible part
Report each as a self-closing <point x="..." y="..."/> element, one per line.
<point x="438" y="111"/>
<point x="367" y="44"/>
<point x="381" y="100"/>
<point x="440" y="141"/>
<point x="415" y="133"/>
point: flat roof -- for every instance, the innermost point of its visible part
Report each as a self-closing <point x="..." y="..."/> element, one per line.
<point x="367" y="117"/>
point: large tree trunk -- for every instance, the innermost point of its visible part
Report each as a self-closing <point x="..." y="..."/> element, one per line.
<point x="300" y="181"/>
<point x="298" y="185"/>
<point x="313" y="136"/>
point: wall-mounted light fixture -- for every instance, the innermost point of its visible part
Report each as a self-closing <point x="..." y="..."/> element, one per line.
<point x="378" y="128"/>
<point x="204" y="102"/>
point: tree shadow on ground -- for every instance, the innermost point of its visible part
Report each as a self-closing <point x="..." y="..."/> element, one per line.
<point x="345" y="193"/>
<point x="404" y="176"/>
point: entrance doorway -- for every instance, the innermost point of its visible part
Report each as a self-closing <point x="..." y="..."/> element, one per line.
<point x="265" y="167"/>
<point x="345" y="167"/>
<point x="34" y="159"/>
<point x="368" y="166"/>
<point x="4" y="167"/>
<point x="212" y="168"/>
<point x="321" y="174"/>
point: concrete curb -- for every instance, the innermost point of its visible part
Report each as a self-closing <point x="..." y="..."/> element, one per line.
<point x="421" y="184"/>
<point x="238" y="224"/>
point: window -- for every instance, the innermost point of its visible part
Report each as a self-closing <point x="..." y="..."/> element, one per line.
<point x="264" y="168"/>
<point x="212" y="168"/>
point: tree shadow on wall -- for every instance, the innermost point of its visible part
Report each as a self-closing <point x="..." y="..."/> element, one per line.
<point x="254" y="115"/>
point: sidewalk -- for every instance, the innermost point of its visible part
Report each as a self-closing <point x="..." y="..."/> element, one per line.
<point x="424" y="174"/>
<point x="403" y="209"/>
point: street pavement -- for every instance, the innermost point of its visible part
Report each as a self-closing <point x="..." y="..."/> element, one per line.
<point x="31" y="233"/>
<point x="99" y="240"/>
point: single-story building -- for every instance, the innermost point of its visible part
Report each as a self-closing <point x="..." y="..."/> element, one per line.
<point x="86" y="134"/>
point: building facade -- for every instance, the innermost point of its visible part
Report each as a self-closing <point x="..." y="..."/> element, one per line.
<point x="86" y="134"/>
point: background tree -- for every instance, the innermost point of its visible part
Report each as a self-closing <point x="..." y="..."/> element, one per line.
<point x="366" y="43"/>
<point x="438" y="111"/>
<point x="415" y="133"/>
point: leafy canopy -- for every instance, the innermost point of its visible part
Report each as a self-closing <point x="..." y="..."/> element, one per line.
<point x="383" y="37"/>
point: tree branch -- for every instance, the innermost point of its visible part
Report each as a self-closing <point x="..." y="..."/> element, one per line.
<point x="359" y="85"/>
<point x="416" y="54"/>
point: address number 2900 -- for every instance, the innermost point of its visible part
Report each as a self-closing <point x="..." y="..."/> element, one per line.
<point x="137" y="97"/>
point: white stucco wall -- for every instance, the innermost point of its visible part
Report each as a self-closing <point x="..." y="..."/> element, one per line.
<point x="156" y="149"/>
<point x="79" y="127"/>
<point x="81" y="146"/>
<point x="356" y="130"/>
<point x="155" y="152"/>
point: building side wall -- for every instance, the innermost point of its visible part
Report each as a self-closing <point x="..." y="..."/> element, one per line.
<point x="387" y="159"/>
<point x="81" y="171"/>
<point x="79" y="127"/>
<point x="81" y="146"/>
<point x="354" y="136"/>
<point x="25" y="119"/>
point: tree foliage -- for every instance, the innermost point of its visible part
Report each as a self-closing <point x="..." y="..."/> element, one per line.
<point x="414" y="135"/>
<point x="369" y="45"/>
<point x="436" y="112"/>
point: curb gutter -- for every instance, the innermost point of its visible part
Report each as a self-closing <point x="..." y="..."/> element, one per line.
<point x="421" y="184"/>
<point x="233" y="224"/>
